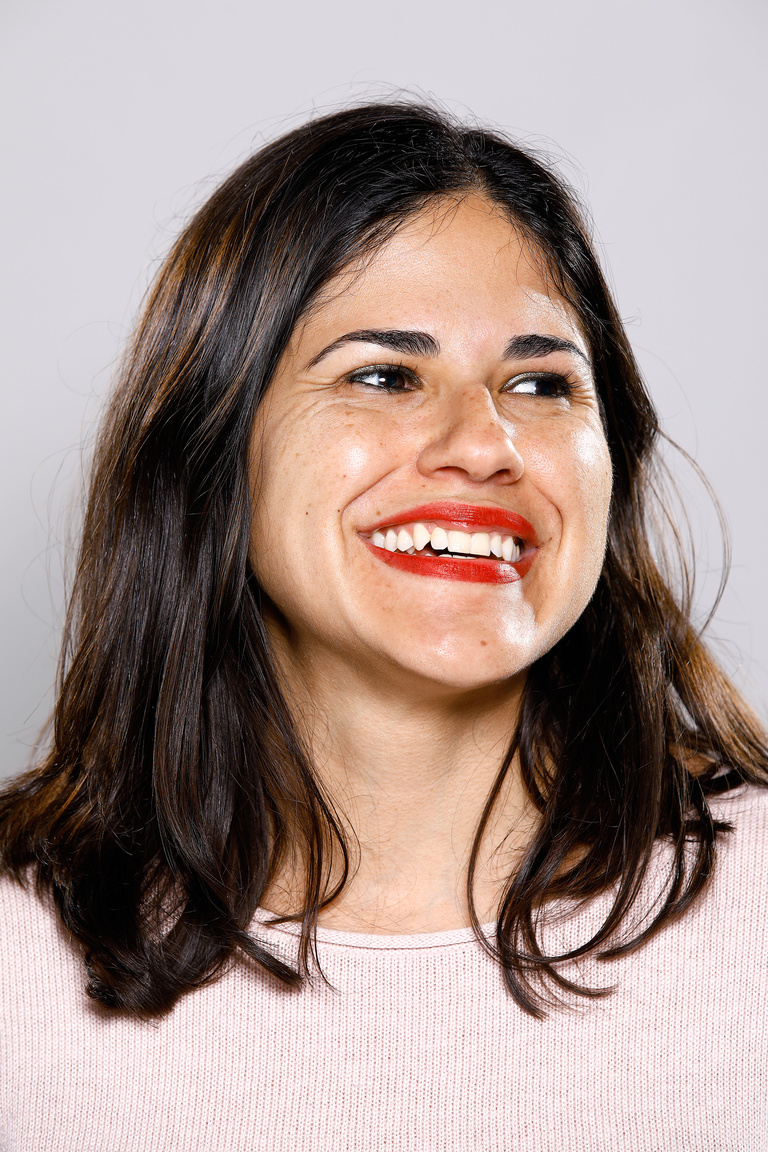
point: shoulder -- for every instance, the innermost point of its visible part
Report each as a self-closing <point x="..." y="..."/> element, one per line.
<point x="733" y="910"/>
<point x="745" y="809"/>
<point x="21" y="905"/>
<point x="38" y="959"/>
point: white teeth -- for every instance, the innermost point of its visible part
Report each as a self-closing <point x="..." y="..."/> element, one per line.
<point x="460" y="542"/>
<point x="480" y="544"/>
<point x="420" y="537"/>
<point x="417" y="536"/>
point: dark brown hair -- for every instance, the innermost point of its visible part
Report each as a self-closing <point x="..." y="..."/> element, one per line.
<point x="176" y="785"/>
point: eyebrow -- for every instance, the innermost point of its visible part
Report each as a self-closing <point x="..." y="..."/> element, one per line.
<point x="411" y="343"/>
<point x="522" y="347"/>
<point x="414" y="343"/>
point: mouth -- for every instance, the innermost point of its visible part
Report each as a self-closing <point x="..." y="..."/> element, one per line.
<point x="454" y="541"/>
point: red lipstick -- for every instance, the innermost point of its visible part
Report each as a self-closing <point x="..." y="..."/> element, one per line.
<point x="464" y="517"/>
<point x="475" y="569"/>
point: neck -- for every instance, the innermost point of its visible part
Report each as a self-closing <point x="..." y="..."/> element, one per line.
<point x="410" y="773"/>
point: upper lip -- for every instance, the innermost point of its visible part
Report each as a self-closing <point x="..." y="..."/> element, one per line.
<point x="469" y="517"/>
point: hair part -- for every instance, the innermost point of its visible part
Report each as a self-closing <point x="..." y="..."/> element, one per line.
<point x="176" y="785"/>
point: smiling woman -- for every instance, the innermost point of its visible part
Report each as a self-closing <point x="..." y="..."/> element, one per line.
<point x="491" y="410"/>
<point x="368" y="562"/>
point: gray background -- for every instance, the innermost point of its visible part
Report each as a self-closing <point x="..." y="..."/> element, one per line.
<point x="119" y="117"/>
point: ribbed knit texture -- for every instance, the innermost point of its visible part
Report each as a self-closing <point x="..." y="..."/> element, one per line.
<point x="421" y="1048"/>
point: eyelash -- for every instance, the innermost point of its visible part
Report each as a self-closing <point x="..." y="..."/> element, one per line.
<point x="357" y="377"/>
<point x="564" y="387"/>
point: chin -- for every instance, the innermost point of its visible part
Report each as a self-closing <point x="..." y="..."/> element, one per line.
<point x="471" y="667"/>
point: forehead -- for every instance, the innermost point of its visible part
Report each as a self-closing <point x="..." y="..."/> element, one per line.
<point x="459" y="267"/>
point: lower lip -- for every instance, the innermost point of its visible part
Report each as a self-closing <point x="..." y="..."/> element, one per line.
<point x="475" y="570"/>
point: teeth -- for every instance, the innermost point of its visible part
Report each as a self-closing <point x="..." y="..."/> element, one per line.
<point x="460" y="542"/>
<point x="420" y="537"/>
<point x="480" y="544"/>
<point x="415" y="537"/>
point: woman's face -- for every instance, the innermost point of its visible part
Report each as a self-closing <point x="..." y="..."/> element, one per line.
<point x="430" y="474"/>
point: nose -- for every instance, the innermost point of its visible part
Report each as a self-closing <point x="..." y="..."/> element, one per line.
<point x="471" y="439"/>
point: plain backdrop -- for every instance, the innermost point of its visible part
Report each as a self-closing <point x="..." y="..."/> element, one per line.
<point x="120" y="117"/>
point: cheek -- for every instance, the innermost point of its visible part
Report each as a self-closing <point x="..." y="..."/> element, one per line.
<point x="305" y="472"/>
<point x="574" y="477"/>
<point x="593" y="478"/>
<point x="354" y="457"/>
<point x="573" y="470"/>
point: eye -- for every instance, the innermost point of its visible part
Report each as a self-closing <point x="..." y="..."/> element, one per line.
<point x="384" y="378"/>
<point x="544" y="384"/>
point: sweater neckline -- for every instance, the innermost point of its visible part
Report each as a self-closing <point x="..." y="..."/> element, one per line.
<point x="725" y="805"/>
<point x="418" y="940"/>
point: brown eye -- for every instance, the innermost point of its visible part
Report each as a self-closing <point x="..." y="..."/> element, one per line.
<point x="384" y="378"/>
<point x="544" y="384"/>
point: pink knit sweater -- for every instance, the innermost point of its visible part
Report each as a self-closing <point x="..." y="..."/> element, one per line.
<point x="420" y="1048"/>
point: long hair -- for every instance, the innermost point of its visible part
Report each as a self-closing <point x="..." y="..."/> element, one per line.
<point x="176" y="785"/>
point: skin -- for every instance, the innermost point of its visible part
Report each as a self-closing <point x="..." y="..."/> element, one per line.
<point x="406" y="687"/>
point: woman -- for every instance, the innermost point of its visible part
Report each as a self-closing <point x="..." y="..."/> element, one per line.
<point x="369" y="657"/>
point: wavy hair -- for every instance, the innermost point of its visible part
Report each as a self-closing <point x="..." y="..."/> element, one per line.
<point x="176" y="785"/>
